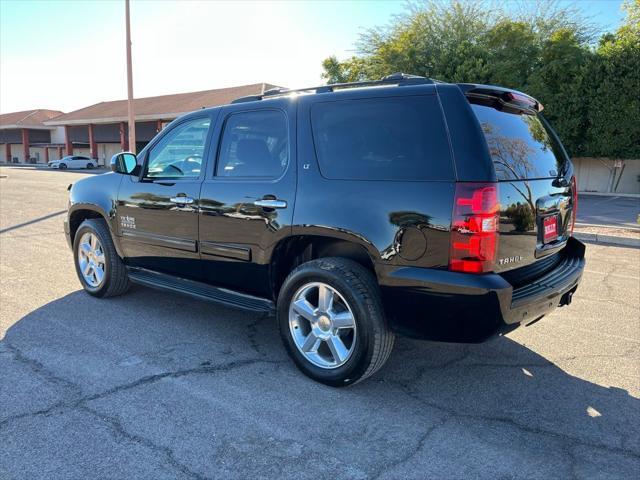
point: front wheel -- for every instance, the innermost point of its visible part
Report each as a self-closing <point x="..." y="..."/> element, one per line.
<point x="62" y="166"/>
<point x="99" y="268"/>
<point x="332" y="321"/>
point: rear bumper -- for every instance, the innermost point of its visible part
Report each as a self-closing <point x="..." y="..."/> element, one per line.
<point x="453" y="306"/>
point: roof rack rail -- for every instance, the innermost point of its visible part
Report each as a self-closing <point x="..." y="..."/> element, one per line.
<point x="399" y="79"/>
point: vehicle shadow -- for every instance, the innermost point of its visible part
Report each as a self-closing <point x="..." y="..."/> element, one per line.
<point x="32" y="221"/>
<point x="195" y="378"/>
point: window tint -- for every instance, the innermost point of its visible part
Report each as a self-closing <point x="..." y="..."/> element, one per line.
<point x="398" y="138"/>
<point x="520" y="144"/>
<point x="179" y="153"/>
<point x="254" y="144"/>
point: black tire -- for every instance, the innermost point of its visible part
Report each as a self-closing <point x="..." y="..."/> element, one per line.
<point x="62" y="166"/>
<point x="359" y="288"/>
<point x="89" y="165"/>
<point x="116" y="280"/>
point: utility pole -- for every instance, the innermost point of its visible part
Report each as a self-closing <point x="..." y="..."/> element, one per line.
<point x="132" y="115"/>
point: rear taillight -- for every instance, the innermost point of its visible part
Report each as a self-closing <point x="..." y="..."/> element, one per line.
<point x="474" y="228"/>
<point x="574" y="198"/>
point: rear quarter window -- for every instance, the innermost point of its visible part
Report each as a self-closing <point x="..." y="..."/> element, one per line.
<point x="521" y="145"/>
<point x="393" y="138"/>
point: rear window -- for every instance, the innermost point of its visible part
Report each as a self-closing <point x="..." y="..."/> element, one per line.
<point x="520" y="144"/>
<point x="397" y="138"/>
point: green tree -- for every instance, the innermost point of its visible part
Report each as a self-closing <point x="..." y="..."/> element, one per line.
<point x="352" y="70"/>
<point x="512" y="50"/>
<point x="433" y="39"/>
<point x="558" y="81"/>
<point x="590" y="94"/>
<point x="614" y="104"/>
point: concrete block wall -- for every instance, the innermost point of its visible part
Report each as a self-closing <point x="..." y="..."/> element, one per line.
<point x="601" y="175"/>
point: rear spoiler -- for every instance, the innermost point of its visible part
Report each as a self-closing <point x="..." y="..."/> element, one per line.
<point x="504" y="96"/>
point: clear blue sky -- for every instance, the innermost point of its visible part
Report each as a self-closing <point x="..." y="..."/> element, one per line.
<point x="69" y="54"/>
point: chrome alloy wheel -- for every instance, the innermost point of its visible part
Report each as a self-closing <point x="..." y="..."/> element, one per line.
<point x="322" y="325"/>
<point x="91" y="259"/>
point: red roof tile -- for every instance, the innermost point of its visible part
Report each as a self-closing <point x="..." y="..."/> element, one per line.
<point x="28" y="118"/>
<point x="164" y="107"/>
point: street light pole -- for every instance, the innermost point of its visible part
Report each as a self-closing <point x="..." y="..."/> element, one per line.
<point x="132" y="115"/>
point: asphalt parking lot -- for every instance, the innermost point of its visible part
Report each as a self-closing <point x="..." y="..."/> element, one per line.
<point x="622" y="212"/>
<point x="155" y="385"/>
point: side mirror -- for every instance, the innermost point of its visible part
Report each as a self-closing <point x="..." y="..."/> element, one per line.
<point x="125" y="163"/>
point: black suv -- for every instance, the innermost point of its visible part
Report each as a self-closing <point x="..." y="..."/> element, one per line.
<point x="352" y="211"/>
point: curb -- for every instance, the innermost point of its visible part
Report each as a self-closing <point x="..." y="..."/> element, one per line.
<point x="604" y="194"/>
<point x="612" y="227"/>
<point x="608" y="239"/>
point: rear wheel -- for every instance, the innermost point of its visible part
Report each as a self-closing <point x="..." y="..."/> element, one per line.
<point x="332" y="322"/>
<point x="99" y="268"/>
<point x="89" y="165"/>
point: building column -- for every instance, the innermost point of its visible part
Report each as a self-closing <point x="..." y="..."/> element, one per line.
<point x="67" y="141"/>
<point x="158" y="126"/>
<point x="123" y="138"/>
<point x="46" y="154"/>
<point x="7" y="152"/>
<point x="59" y="153"/>
<point x="93" y="149"/>
<point x="25" y="144"/>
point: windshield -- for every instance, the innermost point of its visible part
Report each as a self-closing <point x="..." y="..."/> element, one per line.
<point x="520" y="144"/>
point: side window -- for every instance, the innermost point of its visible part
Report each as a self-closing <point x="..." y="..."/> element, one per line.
<point x="254" y="144"/>
<point x="179" y="153"/>
<point x="394" y="138"/>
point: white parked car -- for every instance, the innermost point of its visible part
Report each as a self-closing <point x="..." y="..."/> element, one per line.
<point x="72" y="161"/>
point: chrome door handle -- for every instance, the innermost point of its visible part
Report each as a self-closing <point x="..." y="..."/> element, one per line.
<point x="181" y="200"/>
<point x="265" y="203"/>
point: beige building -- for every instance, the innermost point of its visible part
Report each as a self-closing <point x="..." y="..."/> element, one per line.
<point x="100" y="130"/>
<point x="607" y="175"/>
<point x="24" y="137"/>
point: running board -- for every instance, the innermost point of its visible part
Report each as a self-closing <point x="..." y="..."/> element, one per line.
<point x="200" y="290"/>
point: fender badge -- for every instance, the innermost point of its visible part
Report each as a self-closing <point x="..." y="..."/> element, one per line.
<point x="128" y="222"/>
